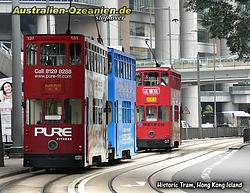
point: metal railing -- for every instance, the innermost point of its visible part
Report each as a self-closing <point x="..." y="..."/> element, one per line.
<point x="208" y="62"/>
<point x="205" y="63"/>
<point x="195" y="133"/>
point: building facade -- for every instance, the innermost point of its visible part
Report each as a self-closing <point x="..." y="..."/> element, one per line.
<point x="182" y="36"/>
<point x="172" y="34"/>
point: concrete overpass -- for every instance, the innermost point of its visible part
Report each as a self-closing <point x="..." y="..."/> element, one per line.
<point x="226" y="70"/>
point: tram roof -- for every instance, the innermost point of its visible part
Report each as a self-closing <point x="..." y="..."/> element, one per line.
<point x="155" y="69"/>
<point x="55" y="37"/>
<point x="115" y="50"/>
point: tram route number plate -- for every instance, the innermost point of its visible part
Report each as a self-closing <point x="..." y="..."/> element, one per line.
<point x="151" y="99"/>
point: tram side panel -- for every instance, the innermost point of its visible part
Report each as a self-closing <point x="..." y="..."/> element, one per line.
<point x="175" y="82"/>
<point x="96" y="132"/>
<point x="157" y="109"/>
<point x="122" y="88"/>
<point x="126" y="123"/>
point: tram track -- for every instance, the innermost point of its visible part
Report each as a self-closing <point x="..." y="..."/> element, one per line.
<point x="7" y="182"/>
<point x="152" y="184"/>
<point x="47" y="186"/>
<point x="149" y="179"/>
<point x="77" y="184"/>
<point x="74" y="183"/>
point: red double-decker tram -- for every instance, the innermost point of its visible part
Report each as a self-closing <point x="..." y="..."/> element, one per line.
<point x="158" y="108"/>
<point x="65" y="95"/>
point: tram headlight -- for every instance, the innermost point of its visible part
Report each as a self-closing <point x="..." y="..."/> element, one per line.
<point x="151" y="134"/>
<point x="52" y="145"/>
<point x="166" y="141"/>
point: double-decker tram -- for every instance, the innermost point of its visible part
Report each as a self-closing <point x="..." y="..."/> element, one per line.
<point x="122" y="98"/>
<point x="158" y="108"/>
<point x="65" y="97"/>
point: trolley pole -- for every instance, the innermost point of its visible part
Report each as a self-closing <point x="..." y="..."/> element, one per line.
<point x="16" y="150"/>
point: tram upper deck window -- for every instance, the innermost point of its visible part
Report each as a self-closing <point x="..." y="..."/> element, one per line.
<point x="53" y="54"/>
<point x="52" y="111"/>
<point x="109" y="63"/>
<point x="138" y="79"/>
<point x="31" y="54"/>
<point x="75" y="54"/>
<point x="164" y="79"/>
<point x="151" y="79"/>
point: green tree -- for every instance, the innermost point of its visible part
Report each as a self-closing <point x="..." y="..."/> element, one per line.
<point x="228" y="19"/>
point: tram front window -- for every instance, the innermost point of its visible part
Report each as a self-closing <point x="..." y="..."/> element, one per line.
<point x="163" y="113"/>
<point x="151" y="79"/>
<point x="164" y="79"/>
<point x="151" y="113"/>
<point x="52" y="111"/>
<point x="33" y="111"/>
<point x="53" y="54"/>
<point x="140" y="113"/>
<point x="138" y="79"/>
<point x="31" y="54"/>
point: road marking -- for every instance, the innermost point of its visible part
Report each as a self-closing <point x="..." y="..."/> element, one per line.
<point x="206" y="172"/>
<point x="138" y="183"/>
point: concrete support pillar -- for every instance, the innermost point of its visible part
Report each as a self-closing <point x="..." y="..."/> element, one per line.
<point x="110" y="29"/>
<point x="188" y="33"/>
<point x="229" y="106"/>
<point x="190" y="105"/>
<point x="42" y="24"/>
<point x="162" y="31"/>
<point x="16" y="116"/>
<point x="52" y="23"/>
<point x="224" y="50"/>
<point x="124" y="28"/>
<point x="167" y="35"/>
<point x="104" y="32"/>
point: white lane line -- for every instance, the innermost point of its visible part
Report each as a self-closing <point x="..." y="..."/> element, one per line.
<point x="137" y="183"/>
<point x="82" y="181"/>
<point x="205" y="175"/>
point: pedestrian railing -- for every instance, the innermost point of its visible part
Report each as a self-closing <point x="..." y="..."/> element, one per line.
<point x="197" y="133"/>
<point x="206" y="63"/>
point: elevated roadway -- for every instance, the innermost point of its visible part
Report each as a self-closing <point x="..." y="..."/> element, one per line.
<point x="226" y="72"/>
<point x="227" y="69"/>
